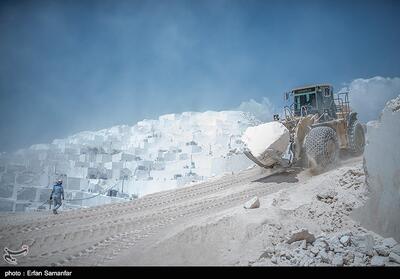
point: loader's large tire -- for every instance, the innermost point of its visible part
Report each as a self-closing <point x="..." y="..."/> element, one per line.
<point x="321" y="146"/>
<point x="356" y="138"/>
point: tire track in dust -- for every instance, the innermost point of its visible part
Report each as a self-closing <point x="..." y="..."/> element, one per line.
<point x="54" y="221"/>
<point x="128" y="239"/>
<point x="96" y="232"/>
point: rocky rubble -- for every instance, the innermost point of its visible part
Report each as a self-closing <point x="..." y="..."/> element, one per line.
<point x="332" y="238"/>
<point x="341" y="249"/>
<point x="327" y="197"/>
<point x="331" y="206"/>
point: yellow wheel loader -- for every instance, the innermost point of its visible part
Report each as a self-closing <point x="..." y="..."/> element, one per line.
<point x="320" y="123"/>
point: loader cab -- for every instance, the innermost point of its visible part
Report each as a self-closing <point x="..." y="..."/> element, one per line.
<point x="316" y="99"/>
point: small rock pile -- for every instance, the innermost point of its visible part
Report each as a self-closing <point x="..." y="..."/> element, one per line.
<point x="353" y="178"/>
<point x="331" y="207"/>
<point x="328" y="197"/>
<point x="302" y="248"/>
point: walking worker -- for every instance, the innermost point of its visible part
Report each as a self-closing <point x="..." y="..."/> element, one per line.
<point x="56" y="195"/>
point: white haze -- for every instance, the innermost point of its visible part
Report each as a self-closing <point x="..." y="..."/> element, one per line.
<point x="263" y="111"/>
<point x="369" y="96"/>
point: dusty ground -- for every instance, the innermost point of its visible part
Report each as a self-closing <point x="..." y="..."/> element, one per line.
<point x="206" y="224"/>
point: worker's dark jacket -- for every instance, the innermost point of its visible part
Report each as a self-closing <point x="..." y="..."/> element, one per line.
<point x="58" y="192"/>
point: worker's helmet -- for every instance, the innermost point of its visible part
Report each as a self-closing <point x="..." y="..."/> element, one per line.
<point x="59" y="181"/>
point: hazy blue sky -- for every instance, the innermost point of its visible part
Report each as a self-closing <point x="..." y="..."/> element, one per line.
<point x="67" y="66"/>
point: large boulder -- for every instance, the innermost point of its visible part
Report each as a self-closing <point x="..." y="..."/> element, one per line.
<point x="301" y="234"/>
<point x="6" y="205"/>
<point x="337" y="260"/>
<point x="382" y="169"/>
<point x="393" y="257"/>
<point x="363" y="244"/>
<point x="253" y="203"/>
<point x="267" y="141"/>
<point x="379" y="261"/>
<point x="389" y="242"/>
<point x="345" y="240"/>
<point x="6" y="191"/>
<point x="382" y="250"/>
<point x="26" y="193"/>
<point x="396" y="249"/>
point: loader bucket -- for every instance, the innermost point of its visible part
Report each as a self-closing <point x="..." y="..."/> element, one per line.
<point x="254" y="159"/>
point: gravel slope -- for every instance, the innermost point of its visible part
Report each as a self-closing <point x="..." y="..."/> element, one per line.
<point x="204" y="224"/>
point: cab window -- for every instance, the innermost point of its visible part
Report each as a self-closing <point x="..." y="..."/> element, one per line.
<point x="327" y="92"/>
<point x="305" y="100"/>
